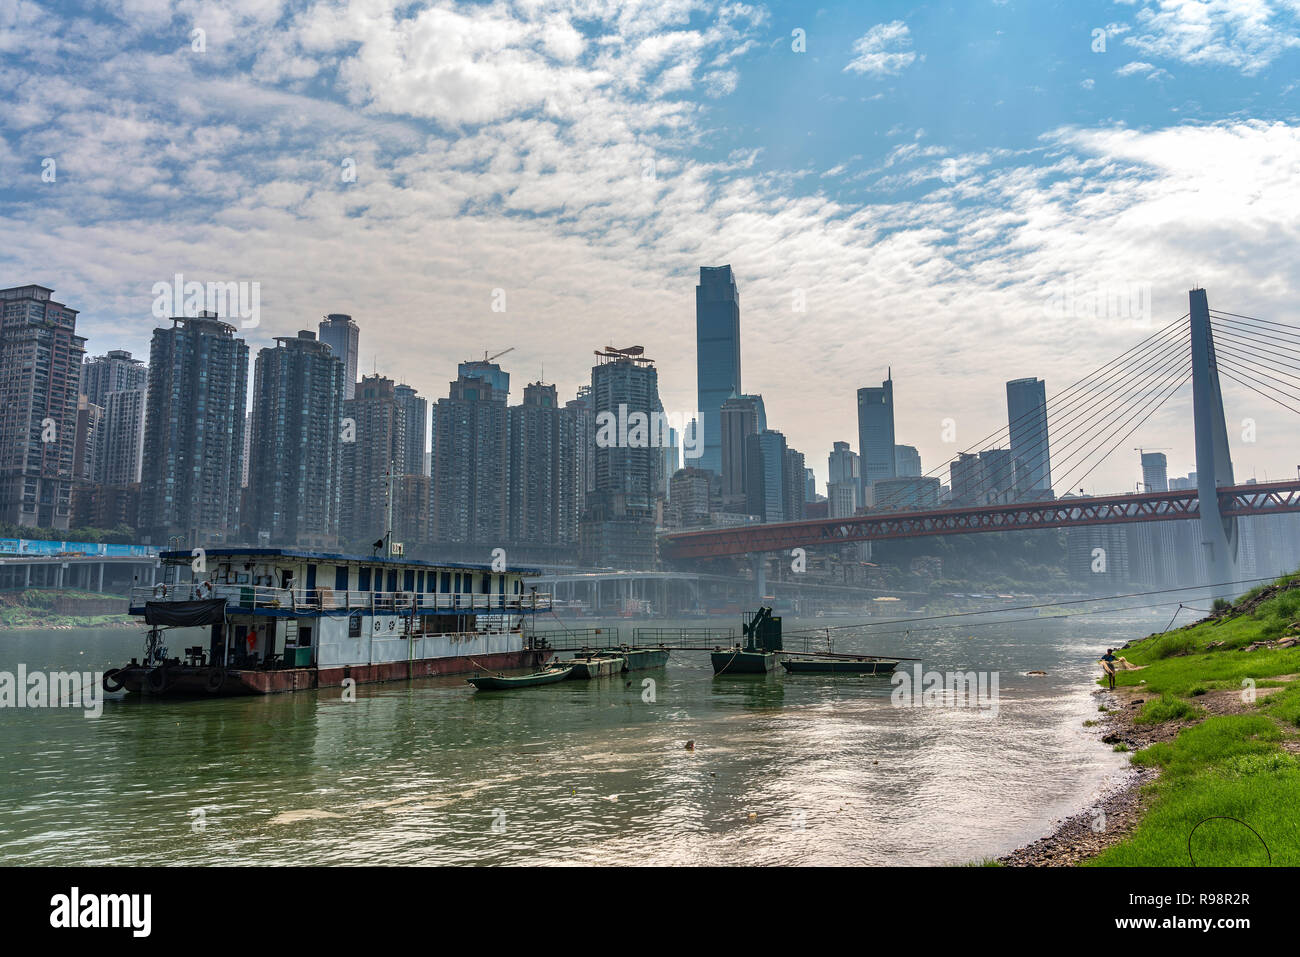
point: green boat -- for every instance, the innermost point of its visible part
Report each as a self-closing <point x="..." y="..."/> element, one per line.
<point x="639" y="659"/>
<point x="737" y="661"/>
<point x="851" y="666"/>
<point x="506" y="683"/>
<point x="596" y="666"/>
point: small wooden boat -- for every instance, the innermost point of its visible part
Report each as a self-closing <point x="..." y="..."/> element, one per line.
<point x="853" y="666"/>
<point x="507" y="682"/>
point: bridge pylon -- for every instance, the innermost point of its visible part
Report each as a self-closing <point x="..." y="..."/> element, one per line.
<point x="1213" y="459"/>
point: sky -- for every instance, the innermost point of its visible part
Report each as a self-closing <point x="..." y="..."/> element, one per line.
<point x="897" y="186"/>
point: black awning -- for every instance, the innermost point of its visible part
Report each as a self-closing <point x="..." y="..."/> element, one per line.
<point x="185" y="614"/>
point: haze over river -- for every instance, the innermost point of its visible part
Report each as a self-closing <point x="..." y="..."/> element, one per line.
<point x="787" y="769"/>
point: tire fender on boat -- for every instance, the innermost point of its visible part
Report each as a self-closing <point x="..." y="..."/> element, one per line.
<point x="111" y="682"/>
<point x="159" y="679"/>
<point x="216" y="678"/>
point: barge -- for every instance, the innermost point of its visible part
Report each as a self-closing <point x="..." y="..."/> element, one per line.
<point x="279" y="620"/>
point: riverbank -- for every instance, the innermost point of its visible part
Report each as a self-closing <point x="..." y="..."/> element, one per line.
<point x="63" y="610"/>
<point x="1211" y="714"/>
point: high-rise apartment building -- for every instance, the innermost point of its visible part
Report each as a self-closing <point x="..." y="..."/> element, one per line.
<point x="618" y="524"/>
<point x="415" y="429"/>
<point x="372" y="449"/>
<point x="1155" y="472"/>
<point x="124" y="421"/>
<point x="294" y="468"/>
<point x="717" y="356"/>
<point x="340" y="333"/>
<point x="194" y="432"/>
<point x="471" y="465"/>
<point x="114" y="372"/>
<point x="40" y="379"/>
<point x="542" y="471"/>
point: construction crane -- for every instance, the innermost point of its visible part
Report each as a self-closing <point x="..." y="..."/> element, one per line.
<point x="1142" y="451"/>
<point x="488" y="358"/>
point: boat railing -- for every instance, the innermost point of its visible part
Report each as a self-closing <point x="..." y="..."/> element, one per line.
<point x="267" y="597"/>
<point x="574" y="639"/>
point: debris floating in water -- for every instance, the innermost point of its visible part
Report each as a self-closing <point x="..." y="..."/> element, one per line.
<point x="690" y="745"/>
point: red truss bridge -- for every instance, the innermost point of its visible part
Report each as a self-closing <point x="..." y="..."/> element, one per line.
<point x="1266" y="499"/>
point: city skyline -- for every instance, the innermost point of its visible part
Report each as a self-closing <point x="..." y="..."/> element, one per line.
<point x="586" y="174"/>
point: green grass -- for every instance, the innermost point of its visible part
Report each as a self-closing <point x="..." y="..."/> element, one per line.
<point x="1165" y="708"/>
<point x="1228" y="766"/>
<point x="1224" y="769"/>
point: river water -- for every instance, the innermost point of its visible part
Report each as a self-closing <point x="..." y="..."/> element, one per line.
<point x="785" y="770"/>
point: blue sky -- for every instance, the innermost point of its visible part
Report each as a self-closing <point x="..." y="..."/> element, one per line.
<point x="923" y="177"/>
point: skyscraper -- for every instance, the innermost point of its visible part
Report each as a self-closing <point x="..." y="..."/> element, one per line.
<point x="618" y="525"/>
<point x="844" y="484"/>
<point x="498" y="380"/>
<point x="876" y="433"/>
<point x="541" y="469"/>
<point x="194" y="432"/>
<point x="124" y="417"/>
<point x="372" y="450"/>
<point x="1030" y="450"/>
<point x="717" y="356"/>
<point x="1155" y="472"/>
<point x="740" y="416"/>
<point x="415" y="414"/>
<point x="294" y="463"/>
<point x="471" y="465"/>
<point x="907" y="461"/>
<point x="767" y="471"/>
<point x="340" y="333"/>
<point x="114" y="372"/>
<point x="40" y="379"/>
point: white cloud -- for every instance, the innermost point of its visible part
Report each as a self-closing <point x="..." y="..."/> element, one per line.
<point x="883" y="50"/>
<point x="1247" y="35"/>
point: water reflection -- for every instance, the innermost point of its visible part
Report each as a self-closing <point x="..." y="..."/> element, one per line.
<point x="785" y="769"/>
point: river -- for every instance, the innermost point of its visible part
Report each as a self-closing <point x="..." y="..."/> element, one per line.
<point x="785" y="769"/>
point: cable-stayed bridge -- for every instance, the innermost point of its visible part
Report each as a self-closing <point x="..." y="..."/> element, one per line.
<point x="1089" y="420"/>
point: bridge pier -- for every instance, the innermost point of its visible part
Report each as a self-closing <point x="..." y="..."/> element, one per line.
<point x="759" y="562"/>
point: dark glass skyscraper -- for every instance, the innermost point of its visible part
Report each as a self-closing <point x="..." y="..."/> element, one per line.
<point x="1030" y="451"/>
<point x="717" y="356"/>
<point x="341" y="334"/>
<point x="876" y="433"/>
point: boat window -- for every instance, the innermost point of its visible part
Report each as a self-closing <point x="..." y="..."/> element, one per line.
<point x="446" y="581"/>
<point x="341" y="578"/>
<point x="485" y="586"/>
<point x="363" y="579"/>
